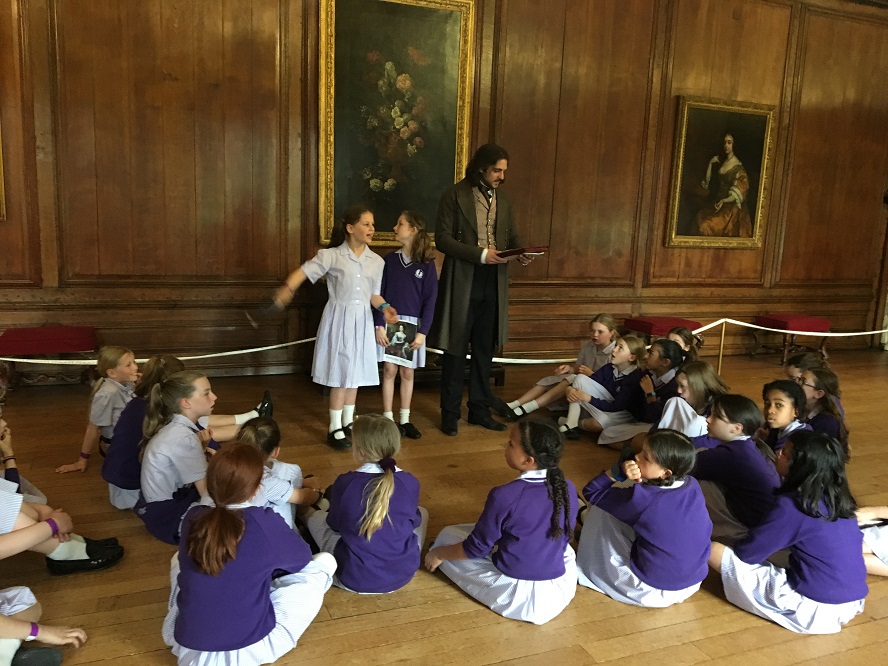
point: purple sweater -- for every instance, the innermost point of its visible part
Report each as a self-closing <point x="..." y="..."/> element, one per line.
<point x="651" y="412"/>
<point x="776" y="438"/>
<point x="122" y="467"/>
<point x="746" y="476"/>
<point x="672" y="528"/>
<point x="825" y="423"/>
<point x="411" y="289"/>
<point x="233" y="610"/>
<point x="825" y="558"/>
<point x="390" y="558"/>
<point x="621" y="388"/>
<point x="516" y="519"/>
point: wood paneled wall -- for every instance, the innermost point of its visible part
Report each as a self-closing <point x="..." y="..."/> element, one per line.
<point x="161" y="170"/>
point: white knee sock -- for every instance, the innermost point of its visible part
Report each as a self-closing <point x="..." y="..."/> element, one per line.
<point x="513" y="404"/>
<point x="70" y="550"/>
<point x="405" y="416"/>
<point x="573" y="417"/>
<point x="335" y="420"/>
<point x="348" y="415"/>
<point x="389" y="415"/>
<point x="8" y="648"/>
<point x="529" y="407"/>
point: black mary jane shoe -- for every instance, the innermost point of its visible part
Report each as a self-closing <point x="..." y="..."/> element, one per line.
<point x="98" y="557"/>
<point x="572" y="433"/>
<point x="266" y="407"/>
<point x="338" y="443"/>
<point x="37" y="656"/>
<point x="487" y="421"/>
<point x="102" y="543"/>
<point x="409" y="430"/>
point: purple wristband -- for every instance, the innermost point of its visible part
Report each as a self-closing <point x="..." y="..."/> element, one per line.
<point x="85" y="456"/>
<point x="35" y="629"/>
<point x="53" y="525"/>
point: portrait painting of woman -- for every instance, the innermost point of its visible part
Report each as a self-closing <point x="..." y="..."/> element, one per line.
<point x="720" y="174"/>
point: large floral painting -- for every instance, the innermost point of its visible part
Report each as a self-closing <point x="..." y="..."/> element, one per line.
<point x="721" y="173"/>
<point x="394" y="106"/>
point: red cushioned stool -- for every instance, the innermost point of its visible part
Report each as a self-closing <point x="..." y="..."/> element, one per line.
<point x="790" y="321"/>
<point x="42" y="340"/>
<point x="658" y="327"/>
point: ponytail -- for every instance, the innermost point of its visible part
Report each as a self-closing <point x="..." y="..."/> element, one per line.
<point x="233" y="476"/>
<point x="108" y="358"/>
<point x="377" y="438"/>
<point x="163" y="402"/>
<point x="542" y="441"/>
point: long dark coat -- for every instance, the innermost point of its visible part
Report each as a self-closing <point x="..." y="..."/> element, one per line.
<point x="456" y="236"/>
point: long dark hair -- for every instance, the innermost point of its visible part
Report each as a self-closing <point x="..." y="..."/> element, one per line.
<point x="827" y="381"/>
<point x="671" y="450"/>
<point x="485" y="157"/>
<point x="233" y="476"/>
<point x="351" y="216"/>
<point x="736" y="408"/>
<point x="817" y="475"/>
<point x="671" y="351"/>
<point x="542" y="441"/>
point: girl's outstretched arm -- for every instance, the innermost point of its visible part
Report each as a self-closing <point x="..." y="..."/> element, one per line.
<point x="869" y="514"/>
<point x="286" y="291"/>
<point x="90" y="441"/>
<point x="435" y="556"/>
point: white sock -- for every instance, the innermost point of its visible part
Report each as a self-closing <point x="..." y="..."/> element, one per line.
<point x="8" y="648"/>
<point x="562" y="420"/>
<point x="405" y="416"/>
<point x="70" y="550"/>
<point x="389" y="415"/>
<point x="348" y="415"/>
<point x="240" y="419"/>
<point x="513" y="404"/>
<point x="335" y="420"/>
<point x="573" y="415"/>
<point x="529" y="407"/>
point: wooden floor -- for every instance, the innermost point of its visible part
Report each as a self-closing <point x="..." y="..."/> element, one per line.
<point x="429" y="621"/>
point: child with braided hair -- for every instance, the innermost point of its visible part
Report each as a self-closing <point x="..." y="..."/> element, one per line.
<point x="532" y="575"/>
<point x="647" y="545"/>
<point x="375" y="527"/>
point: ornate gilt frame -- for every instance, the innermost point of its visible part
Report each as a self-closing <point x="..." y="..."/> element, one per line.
<point x="2" y="190"/>
<point x="327" y="92"/>
<point x="677" y="237"/>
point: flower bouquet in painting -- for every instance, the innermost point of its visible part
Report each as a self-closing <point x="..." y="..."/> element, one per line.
<point x="394" y="118"/>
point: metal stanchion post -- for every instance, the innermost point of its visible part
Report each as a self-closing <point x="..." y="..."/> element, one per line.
<point x="721" y="348"/>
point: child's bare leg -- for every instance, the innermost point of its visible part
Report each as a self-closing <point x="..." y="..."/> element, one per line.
<point x="591" y="425"/>
<point x="637" y="442"/>
<point x="617" y="446"/>
<point x="406" y="387"/>
<point x="555" y="393"/>
<point x="389" y="372"/>
<point x="31" y="614"/>
<point x="534" y="393"/>
<point x="874" y="565"/>
<point x="225" y="433"/>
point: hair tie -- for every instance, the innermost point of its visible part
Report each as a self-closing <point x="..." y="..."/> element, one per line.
<point x="387" y="464"/>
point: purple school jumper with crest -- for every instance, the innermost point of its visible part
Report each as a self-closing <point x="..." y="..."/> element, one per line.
<point x="233" y="610"/>
<point x="652" y="412"/>
<point x="621" y="387"/>
<point x="516" y="519"/>
<point x="825" y="558"/>
<point x="746" y="476"/>
<point x="672" y="529"/>
<point x="411" y="288"/>
<point x="122" y="466"/>
<point x="390" y="558"/>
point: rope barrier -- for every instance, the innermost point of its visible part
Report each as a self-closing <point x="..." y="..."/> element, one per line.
<point x="497" y="359"/>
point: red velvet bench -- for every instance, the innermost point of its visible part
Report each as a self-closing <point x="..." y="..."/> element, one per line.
<point x="658" y="327"/>
<point x="42" y="340"/>
<point x="790" y="321"/>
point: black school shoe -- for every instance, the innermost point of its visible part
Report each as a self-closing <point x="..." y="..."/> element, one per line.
<point x="98" y="557"/>
<point x="266" y="407"/>
<point x="102" y="543"/>
<point x="37" y="656"/>
<point x="487" y="421"/>
<point x="338" y="444"/>
<point x="409" y="430"/>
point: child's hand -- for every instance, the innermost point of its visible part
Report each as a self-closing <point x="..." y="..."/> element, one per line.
<point x="381" y="338"/>
<point x="432" y="561"/>
<point x="205" y="436"/>
<point x="563" y="369"/>
<point x="5" y="440"/>
<point x="63" y="520"/>
<point x="631" y="471"/>
<point x="646" y="384"/>
<point x="61" y="635"/>
<point x="585" y="370"/>
<point x="311" y="482"/>
<point x="418" y="341"/>
<point x="79" y="466"/>
<point x="391" y="315"/>
<point x="576" y="395"/>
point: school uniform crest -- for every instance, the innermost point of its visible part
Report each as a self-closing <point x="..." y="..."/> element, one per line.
<point x="419" y="273"/>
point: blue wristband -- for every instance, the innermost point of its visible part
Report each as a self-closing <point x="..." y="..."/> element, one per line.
<point x="617" y="472"/>
<point x="383" y="306"/>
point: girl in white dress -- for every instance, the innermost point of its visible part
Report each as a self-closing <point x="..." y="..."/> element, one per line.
<point x="345" y="351"/>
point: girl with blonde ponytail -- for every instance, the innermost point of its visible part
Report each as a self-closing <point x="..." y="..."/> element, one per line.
<point x="375" y="526"/>
<point x="229" y="568"/>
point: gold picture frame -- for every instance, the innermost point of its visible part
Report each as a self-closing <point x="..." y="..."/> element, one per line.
<point x="721" y="173"/>
<point x="394" y="106"/>
<point x="2" y="180"/>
